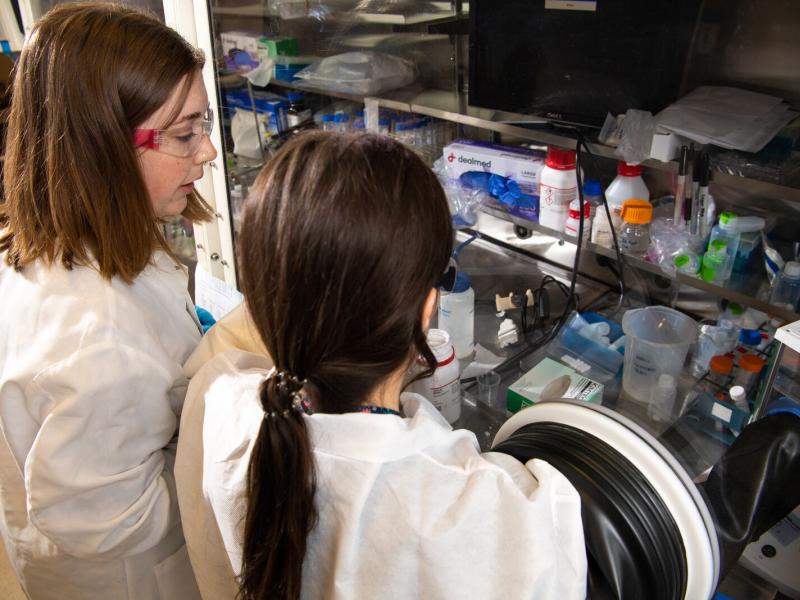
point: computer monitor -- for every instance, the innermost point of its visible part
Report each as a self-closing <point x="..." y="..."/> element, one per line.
<point x="577" y="60"/>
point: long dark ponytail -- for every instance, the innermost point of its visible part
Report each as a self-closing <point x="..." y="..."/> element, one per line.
<point x="343" y="238"/>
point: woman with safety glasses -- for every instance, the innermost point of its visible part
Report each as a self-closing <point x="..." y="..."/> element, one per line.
<point x="108" y="132"/>
<point x="318" y="476"/>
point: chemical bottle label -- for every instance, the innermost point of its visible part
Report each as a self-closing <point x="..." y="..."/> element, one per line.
<point x="445" y="395"/>
<point x="556" y="199"/>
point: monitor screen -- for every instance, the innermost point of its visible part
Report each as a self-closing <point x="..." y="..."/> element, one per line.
<point x="577" y="60"/>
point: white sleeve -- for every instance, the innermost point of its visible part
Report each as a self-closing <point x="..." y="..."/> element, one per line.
<point x="96" y="477"/>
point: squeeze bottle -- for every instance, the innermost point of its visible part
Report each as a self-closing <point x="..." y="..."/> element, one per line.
<point x="457" y="315"/>
<point x="457" y="309"/>
<point x="724" y="244"/>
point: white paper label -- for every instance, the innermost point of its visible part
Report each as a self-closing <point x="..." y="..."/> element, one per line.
<point x="587" y="5"/>
<point x="723" y="413"/>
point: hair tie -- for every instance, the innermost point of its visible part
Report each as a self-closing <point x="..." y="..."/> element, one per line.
<point x="286" y="381"/>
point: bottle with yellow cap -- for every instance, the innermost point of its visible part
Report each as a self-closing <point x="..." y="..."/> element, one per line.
<point x="634" y="235"/>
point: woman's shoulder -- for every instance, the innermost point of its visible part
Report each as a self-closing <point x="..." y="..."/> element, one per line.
<point x="228" y="380"/>
<point x="226" y="392"/>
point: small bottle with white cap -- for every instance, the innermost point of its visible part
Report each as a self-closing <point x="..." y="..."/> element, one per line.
<point x="739" y="398"/>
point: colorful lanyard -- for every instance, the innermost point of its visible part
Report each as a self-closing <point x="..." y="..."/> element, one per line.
<point x="375" y="410"/>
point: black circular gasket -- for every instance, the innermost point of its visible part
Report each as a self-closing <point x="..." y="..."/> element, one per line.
<point x="630" y="534"/>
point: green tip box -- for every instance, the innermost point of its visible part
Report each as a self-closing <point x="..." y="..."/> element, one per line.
<point x="549" y="380"/>
<point x="277" y="46"/>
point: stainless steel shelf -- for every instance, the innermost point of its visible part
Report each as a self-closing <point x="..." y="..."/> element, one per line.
<point x="263" y="10"/>
<point x="738" y="292"/>
<point x="449" y="106"/>
<point x="444" y="105"/>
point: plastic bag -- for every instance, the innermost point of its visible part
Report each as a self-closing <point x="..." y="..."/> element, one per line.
<point x="244" y="134"/>
<point x="674" y="248"/>
<point x="464" y="201"/>
<point x="637" y="136"/>
<point x="631" y="133"/>
<point x="359" y="72"/>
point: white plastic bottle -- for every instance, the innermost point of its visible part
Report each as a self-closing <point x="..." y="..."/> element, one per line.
<point x="738" y="396"/>
<point x="593" y="194"/>
<point x="786" y="292"/>
<point x="571" y="227"/>
<point x="626" y="185"/>
<point x="443" y="388"/>
<point x="601" y="229"/>
<point x="662" y="402"/>
<point x="558" y="186"/>
<point x="457" y="315"/>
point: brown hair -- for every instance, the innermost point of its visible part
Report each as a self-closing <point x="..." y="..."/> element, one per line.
<point x="89" y="74"/>
<point x="343" y="238"/>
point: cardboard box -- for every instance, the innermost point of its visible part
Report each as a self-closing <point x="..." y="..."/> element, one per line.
<point x="467" y="159"/>
<point x="549" y="380"/>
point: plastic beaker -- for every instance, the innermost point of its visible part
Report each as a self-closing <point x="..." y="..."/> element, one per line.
<point x="657" y="340"/>
<point x="488" y="386"/>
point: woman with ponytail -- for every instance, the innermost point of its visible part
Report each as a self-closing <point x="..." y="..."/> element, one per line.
<point x="318" y="476"/>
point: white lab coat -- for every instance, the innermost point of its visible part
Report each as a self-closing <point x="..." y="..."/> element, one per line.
<point x="408" y="508"/>
<point x="91" y="390"/>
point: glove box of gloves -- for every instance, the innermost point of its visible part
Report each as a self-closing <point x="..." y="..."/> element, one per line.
<point x="550" y="380"/>
<point x="508" y="175"/>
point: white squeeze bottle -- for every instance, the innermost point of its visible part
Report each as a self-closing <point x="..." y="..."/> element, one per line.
<point x="457" y="308"/>
<point x="558" y="186"/>
<point x="457" y="315"/>
<point x="626" y="185"/>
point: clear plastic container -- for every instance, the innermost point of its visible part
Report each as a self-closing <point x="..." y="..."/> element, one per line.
<point x="328" y="123"/>
<point x="786" y="292"/>
<point x="601" y="229"/>
<point x="748" y="242"/>
<point x="719" y="370"/>
<point x="749" y="372"/>
<point x="721" y="251"/>
<point x="657" y="341"/>
<point x="662" y="404"/>
<point x="634" y="235"/>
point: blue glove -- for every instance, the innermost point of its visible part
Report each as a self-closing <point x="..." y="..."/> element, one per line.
<point x="206" y="318"/>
